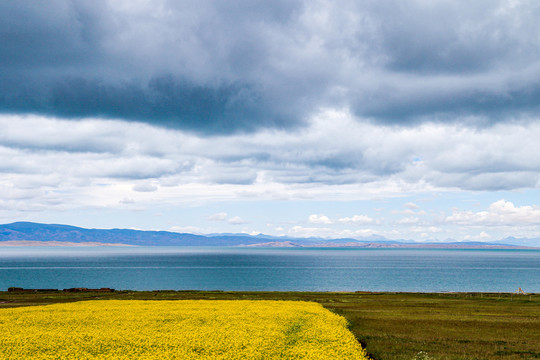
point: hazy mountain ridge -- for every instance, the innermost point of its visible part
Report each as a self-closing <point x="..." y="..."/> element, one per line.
<point x="64" y="234"/>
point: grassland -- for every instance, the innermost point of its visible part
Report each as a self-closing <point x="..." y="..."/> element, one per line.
<point x="391" y="326"/>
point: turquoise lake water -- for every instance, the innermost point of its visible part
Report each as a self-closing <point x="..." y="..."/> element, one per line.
<point x="290" y="269"/>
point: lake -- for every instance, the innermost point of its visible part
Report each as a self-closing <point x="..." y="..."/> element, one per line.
<point x="270" y="269"/>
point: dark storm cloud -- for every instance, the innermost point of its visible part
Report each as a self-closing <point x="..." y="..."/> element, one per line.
<point x="168" y="101"/>
<point x="445" y="103"/>
<point x="219" y="67"/>
<point x="453" y="36"/>
<point x="444" y="60"/>
<point x="71" y="60"/>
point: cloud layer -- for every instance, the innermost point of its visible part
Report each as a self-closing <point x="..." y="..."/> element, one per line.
<point x="335" y="158"/>
<point x="50" y="166"/>
<point x="139" y="107"/>
<point x="220" y="67"/>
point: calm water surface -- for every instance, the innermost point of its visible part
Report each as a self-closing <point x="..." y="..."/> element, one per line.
<point x="182" y="268"/>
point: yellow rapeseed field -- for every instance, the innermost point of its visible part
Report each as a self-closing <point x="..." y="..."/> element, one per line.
<point x="185" y="329"/>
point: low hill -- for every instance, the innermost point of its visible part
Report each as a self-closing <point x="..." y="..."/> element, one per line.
<point x="28" y="233"/>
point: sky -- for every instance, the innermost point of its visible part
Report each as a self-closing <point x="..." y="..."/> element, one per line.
<point x="412" y="120"/>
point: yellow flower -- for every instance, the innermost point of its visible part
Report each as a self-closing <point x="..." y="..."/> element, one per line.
<point x="185" y="329"/>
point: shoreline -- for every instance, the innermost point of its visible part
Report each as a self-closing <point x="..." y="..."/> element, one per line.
<point x="19" y="290"/>
<point x="345" y="246"/>
<point x="32" y="243"/>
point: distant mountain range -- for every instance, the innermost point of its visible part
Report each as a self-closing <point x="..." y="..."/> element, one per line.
<point x="35" y="234"/>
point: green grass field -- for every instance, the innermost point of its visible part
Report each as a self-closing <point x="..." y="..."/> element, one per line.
<point x="391" y="326"/>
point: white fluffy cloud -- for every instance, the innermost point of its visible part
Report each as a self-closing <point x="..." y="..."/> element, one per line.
<point x="236" y="220"/>
<point x="328" y="232"/>
<point x="412" y="206"/>
<point x="500" y="213"/>
<point x="221" y="216"/>
<point x="357" y="219"/>
<point x="335" y="158"/>
<point x="319" y="219"/>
